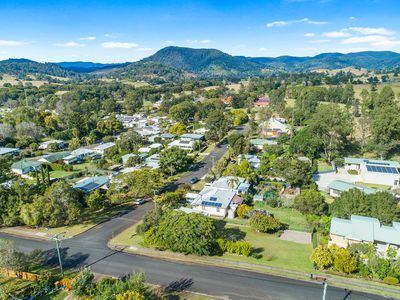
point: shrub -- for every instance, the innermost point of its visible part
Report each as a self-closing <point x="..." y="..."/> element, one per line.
<point x="391" y="280"/>
<point x="262" y="223"/>
<point x="274" y="202"/>
<point x="322" y="257"/>
<point x="83" y="283"/>
<point x="239" y="248"/>
<point x="344" y="261"/>
<point x="352" y="172"/>
<point x="243" y="210"/>
<point x="130" y="295"/>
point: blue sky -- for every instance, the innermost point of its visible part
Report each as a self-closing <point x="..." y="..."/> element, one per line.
<point x="118" y="30"/>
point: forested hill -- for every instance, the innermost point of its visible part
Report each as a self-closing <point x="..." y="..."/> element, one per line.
<point x="371" y="60"/>
<point x="203" y="61"/>
<point x="23" y="67"/>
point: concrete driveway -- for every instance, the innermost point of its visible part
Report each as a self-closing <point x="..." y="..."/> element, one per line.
<point x="324" y="179"/>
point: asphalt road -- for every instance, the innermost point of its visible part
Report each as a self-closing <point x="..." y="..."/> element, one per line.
<point x="90" y="249"/>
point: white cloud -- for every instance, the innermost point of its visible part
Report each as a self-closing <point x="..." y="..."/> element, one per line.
<point x="336" y="34"/>
<point x="69" y="45"/>
<point x="119" y="45"/>
<point x="320" y="41"/>
<point x="9" y="43"/>
<point x="316" y="22"/>
<point x="145" y="49"/>
<point x="262" y="49"/>
<point x="88" y="38"/>
<point x="290" y="22"/>
<point x="373" y="40"/>
<point x="352" y="18"/>
<point x="310" y="34"/>
<point x="371" y="30"/>
<point x="198" y="41"/>
<point x="168" y="42"/>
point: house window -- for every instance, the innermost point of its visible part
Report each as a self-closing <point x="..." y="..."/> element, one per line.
<point x="217" y="209"/>
<point x="203" y="207"/>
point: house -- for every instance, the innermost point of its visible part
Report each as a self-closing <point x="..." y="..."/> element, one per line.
<point x="214" y="201"/>
<point x="25" y="166"/>
<point x="259" y="143"/>
<point x="145" y="150"/>
<point x="149" y="130"/>
<point x="60" y="144"/>
<point x="54" y="157"/>
<point x="337" y="187"/>
<point x="90" y="184"/>
<point x="361" y="229"/>
<point x="182" y="144"/>
<point x="201" y="131"/>
<point x="219" y="198"/>
<point x="78" y="155"/>
<point x="258" y="198"/>
<point x="193" y="137"/>
<point x="131" y="121"/>
<point x="4" y="151"/>
<point x="153" y="161"/>
<point x="156" y="146"/>
<point x="102" y="148"/>
<point x="276" y="127"/>
<point x="237" y="184"/>
<point x="383" y="172"/>
<point x="262" y="102"/>
<point x="126" y="157"/>
<point x="167" y="136"/>
<point x="254" y="160"/>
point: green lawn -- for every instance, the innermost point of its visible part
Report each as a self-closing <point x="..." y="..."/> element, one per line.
<point x="58" y="295"/>
<point x="273" y="251"/>
<point x="289" y="216"/>
<point x="323" y="166"/>
<point x="60" y="174"/>
<point x="374" y="186"/>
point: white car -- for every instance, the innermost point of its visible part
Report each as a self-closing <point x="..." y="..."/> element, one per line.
<point x="139" y="201"/>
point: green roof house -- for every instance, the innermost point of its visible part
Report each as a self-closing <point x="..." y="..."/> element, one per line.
<point x="25" y="166"/>
<point x="360" y="229"/>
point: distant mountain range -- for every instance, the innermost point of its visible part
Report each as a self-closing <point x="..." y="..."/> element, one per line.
<point x="173" y="63"/>
<point x="88" y="67"/>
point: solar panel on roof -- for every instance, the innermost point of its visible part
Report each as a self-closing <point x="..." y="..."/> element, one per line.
<point x="90" y="186"/>
<point x="382" y="169"/>
<point x="214" y="204"/>
<point x="213" y="198"/>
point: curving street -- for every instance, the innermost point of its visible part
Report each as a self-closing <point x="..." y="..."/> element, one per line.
<point x="90" y="249"/>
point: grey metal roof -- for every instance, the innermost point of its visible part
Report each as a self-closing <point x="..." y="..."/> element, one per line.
<point x="366" y="229"/>
<point x="344" y="186"/>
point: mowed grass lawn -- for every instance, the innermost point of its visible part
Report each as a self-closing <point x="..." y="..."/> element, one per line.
<point x="272" y="251"/>
<point x="294" y="219"/>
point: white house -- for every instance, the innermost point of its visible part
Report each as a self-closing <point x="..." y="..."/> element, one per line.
<point x="254" y="160"/>
<point x="182" y="144"/>
<point x="8" y="151"/>
<point x="60" y="144"/>
<point x="78" y="155"/>
<point x="102" y="148"/>
<point x="220" y="198"/>
<point x="192" y="137"/>
<point x="153" y="161"/>
<point x="214" y="201"/>
<point x="383" y="172"/>
<point x="361" y="229"/>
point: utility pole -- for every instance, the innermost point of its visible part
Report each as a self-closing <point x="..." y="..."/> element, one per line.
<point x="58" y="245"/>
<point x="325" y="287"/>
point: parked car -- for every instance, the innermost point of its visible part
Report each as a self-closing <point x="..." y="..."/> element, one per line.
<point x="140" y="201"/>
<point x="194" y="180"/>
